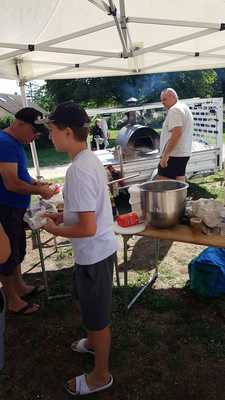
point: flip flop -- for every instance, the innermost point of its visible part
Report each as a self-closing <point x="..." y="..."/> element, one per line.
<point x="79" y="346"/>
<point x="23" y="310"/>
<point x="34" y="291"/>
<point x="82" y="389"/>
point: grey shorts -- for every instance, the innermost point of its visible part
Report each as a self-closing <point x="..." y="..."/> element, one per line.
<point x="93" y="290"/>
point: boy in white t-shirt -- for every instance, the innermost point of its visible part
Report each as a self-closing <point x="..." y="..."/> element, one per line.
<point x="88" y="222"/>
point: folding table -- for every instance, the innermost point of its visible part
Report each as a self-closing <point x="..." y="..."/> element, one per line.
<point x="178" y="233"/>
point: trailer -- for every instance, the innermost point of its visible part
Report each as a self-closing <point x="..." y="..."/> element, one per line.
<point x="207" y="148"/>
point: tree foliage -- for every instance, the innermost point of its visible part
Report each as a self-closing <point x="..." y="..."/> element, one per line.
<point x="44" y="98"/>
<point x="109" y="91"/>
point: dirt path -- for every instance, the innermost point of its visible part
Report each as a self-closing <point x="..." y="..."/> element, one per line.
<point x="56" y="171"/>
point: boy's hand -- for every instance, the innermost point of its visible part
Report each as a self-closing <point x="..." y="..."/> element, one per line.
<point x="50" y="227"/>
<point x="56" y="217"/>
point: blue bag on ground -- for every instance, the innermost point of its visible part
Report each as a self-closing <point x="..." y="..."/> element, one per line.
<point x="207" y="273"/>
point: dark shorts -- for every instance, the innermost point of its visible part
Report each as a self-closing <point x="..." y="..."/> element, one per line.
<point x="176" y="167"/>
<point x="93" y="290"/>
<point x="12" y="222"/>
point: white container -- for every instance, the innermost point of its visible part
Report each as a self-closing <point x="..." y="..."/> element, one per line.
<point x="135" y="194"/>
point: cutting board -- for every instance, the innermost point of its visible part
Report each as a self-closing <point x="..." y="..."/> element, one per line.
<point x="130" y="230"/>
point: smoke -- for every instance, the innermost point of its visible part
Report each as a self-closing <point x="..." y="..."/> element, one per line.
<point x="144" y="87"/>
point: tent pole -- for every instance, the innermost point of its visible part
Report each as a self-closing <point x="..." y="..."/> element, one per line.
<point x="32" y="144"/>
<point x="123" y="20"/>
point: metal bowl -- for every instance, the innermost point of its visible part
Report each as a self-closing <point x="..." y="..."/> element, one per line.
<point x="163" y="202"/>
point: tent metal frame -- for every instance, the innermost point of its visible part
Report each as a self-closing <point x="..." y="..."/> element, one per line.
<point x="121" y="21"/>
<point x="129" y="50"/>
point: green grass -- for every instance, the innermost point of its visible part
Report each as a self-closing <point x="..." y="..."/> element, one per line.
<point x="211" y="186"/>
<point x="48" y="157"/>
<point x="170" y="345"/>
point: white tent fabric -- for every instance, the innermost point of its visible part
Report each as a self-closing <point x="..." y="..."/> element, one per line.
<point x="55" y="39"/>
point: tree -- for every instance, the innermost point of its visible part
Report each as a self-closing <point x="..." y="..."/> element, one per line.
<point x="193" y="83"/>
<point x="109" y="91"/>
<point x="44" y="98"/>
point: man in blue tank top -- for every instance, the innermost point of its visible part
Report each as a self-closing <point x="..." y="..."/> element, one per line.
<point x="16" y="187"/>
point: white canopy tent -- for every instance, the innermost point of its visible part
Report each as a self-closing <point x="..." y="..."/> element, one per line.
<point x="62" y="39"/>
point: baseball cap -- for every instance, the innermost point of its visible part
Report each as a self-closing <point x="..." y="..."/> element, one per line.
<point x="30" y="115"/>
<point x="69" y="114"/>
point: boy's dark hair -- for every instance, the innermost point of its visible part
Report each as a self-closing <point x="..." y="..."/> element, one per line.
<point x="72" y="115"/>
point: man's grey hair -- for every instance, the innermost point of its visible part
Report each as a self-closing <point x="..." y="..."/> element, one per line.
<point x="171" y="91"/>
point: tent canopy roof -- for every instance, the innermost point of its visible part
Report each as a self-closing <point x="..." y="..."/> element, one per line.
<point x="55" y="39"/>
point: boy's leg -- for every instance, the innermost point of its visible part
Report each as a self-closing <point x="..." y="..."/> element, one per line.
<point x="101" y="342"/>
<point x="95" y="312"/>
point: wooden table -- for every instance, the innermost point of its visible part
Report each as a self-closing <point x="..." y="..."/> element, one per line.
<point x="184" y="233"/>
<point x="178" y="233"/>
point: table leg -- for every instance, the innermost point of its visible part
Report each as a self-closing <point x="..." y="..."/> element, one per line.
<point x="117" y="270"/>
<point x="125" y="248"/>
<point x="152" y="278"/>
<point x="42" y="261"/>
<point x="55" y="243"/>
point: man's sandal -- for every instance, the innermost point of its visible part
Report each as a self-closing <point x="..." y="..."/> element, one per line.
<point x="25" y="310"/>
<point x="79" y="346"/>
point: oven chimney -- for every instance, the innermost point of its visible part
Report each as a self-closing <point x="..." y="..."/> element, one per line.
<point x="131" y="115"/>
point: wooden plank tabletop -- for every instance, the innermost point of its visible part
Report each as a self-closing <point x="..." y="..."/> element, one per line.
<point x="184" y="233"/>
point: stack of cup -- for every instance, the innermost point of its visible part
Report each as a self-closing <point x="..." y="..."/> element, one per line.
<point x="196" y="224"/>
<point x="135" y="200"/>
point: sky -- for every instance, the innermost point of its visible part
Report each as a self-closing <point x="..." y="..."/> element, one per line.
<point x="11" y="87"/>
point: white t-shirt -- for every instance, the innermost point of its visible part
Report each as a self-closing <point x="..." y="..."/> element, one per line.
<point x="104" y="127"/>
<point x="86" y="189"/>
<point x="178" y="115"/>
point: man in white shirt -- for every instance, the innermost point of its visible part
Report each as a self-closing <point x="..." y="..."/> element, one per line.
<point x="175" y="138"/>
<point x="105" y="130"/>
<point x="88" y="222"/>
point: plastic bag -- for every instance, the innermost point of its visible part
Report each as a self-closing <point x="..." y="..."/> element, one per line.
<point x="207" y="273"/>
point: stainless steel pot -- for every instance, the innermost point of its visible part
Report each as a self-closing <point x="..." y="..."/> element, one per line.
<point x="163" y="202"/>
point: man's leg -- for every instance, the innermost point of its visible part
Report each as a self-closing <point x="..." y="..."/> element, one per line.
<point x="20" y="285"/>
<point x="180" y="178"/>
<point x="161" y="178"/>
<point x="14" y="301"/>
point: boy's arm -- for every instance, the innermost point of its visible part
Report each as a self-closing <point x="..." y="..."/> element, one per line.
<point x="85" y="227"/>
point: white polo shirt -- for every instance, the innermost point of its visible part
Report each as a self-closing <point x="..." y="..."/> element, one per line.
<point x="179" y="115"/>
<point x="86" y="189"/>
